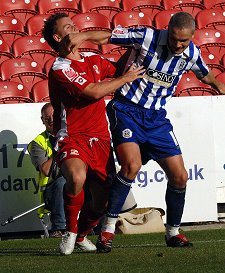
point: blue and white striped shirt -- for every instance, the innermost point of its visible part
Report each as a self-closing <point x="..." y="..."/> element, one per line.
<point x="164" y="69"/>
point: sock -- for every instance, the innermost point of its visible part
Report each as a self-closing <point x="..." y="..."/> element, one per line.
<point x="175" y="199"/>
<point x="171" y="231"/>
<point x="72" y="206"/>
<point x="88" y="219"/>
<point x="109" y="225"/>
<point x="118" y="194"/>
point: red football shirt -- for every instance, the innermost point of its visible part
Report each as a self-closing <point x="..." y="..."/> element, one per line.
<point x="73" y="113"/>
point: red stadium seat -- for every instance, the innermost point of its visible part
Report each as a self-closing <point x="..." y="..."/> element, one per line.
<point x="33" y="47"/>
<point x="149" y="7"/>
<point x="5" y="52"/>
<point x="161" y="19"/>
<point x="14" y="92"/>
<point x="190" y="6"/>
<point x="115" y="49"/>
<point x="91" y="21"/>
<point x="189" y="85"/>
<point x="223" y="60"/>
<point x="210" y="40"/>
<point x="132" y="19"/>
<point x="19" y="9"/>
<point x="10" y="29"/>
<point x="35" y="24"/>
<point x="89" y="47"/>
<point x="22" y="70"/>
<point x="214" y="4"/>
<point x="49" y="6"/>
<point x="221" y="77"/>
<point x="213" y="62"/>
<point x="211" y="18"/>
<point x="112" y="57"/>
<point x="40" y="92"/>
<point x="106" y="7"/>
<point x="48" y="65"/>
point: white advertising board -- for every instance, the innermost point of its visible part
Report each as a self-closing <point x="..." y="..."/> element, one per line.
<point x="198" y="124"/>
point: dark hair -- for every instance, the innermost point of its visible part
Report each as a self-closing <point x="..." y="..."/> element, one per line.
<point x="49" y="29"/>
<point x="44" y="107"/>
<point x="182" y="20"/>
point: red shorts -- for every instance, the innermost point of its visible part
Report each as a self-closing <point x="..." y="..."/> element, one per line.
<point x="96" y="153"/>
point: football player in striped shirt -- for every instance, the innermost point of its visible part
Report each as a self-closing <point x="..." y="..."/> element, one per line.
<point x="138" y="123"/>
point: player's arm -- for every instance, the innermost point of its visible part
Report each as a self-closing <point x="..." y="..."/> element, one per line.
<point x="73" y="40"/>
<point x="101" y="89"/>
<point x="214" y="83"/>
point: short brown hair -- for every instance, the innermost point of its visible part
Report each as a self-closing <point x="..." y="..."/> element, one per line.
<point x="49" y="29"/>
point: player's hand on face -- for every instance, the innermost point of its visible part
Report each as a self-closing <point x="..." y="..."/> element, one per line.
<point x="134" y="73"/>
<point x="70" y="43"/>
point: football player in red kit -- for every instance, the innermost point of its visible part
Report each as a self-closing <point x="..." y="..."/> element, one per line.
<point x="83" y="148"/>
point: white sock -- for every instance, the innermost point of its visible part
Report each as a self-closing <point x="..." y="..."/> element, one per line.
<point x="109" y="225"/>
<point x="171" y="231"/>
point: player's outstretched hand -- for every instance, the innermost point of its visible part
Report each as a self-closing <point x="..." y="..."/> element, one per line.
<point x="134" y="73"/>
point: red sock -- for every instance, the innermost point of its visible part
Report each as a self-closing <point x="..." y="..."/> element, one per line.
<point x="87" y="220"/>
<point x="72" y="207"/>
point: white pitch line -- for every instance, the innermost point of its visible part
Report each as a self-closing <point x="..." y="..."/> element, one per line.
<point x="152" y="245"/>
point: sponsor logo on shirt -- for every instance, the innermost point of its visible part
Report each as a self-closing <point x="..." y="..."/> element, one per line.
<point x="120" y="30"/>
<point x="74" y="152"/>
<point x="80" y="80"/>
<point x="70" y="73"/>
<point x="127" y="133"/>
<point x="159" y="78"/>
<point x="73" y="76"/>
<point x="96" y="69"/>
<point x="181" y="64"/>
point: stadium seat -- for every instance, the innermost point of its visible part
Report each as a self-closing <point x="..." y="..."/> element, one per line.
<point x="13" y="92"/>
<point x="190" y="6"/>
<point x="214" y="4"/>
<point x="106" y="7"/>
<point x="213" y="62"/>
<point x="5" y="52"/>
<point x="149" y="7"/>
<point x="161" y="19"/>
<point x="33" y="47"/>
<point x="210" y="40"/>
<point x="223" y="60"/>
<point x="115" y="49"/>
<point x="40" y="92"/>
<point x="211" y="18"/>
<point x="221" y="77"/>
<point x="22" y="70"/>
<point x="89" y="47"/>
<point x="10" y="29"/>
<point x="20" y="9"/>
<point x="112" y="57"/>
<point x="48" y="65"/>
<point x="52" y="6"/>
<point x="132" y="19"/>
<point x="35" y="24"/>
<point x="91" y="21"/>
<point x="189" y="85"/>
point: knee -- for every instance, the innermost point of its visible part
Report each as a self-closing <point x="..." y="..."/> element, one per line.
<point x="131" y="169"/>
<point x="75" y="179"/>
<point x="180" y="180"/>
